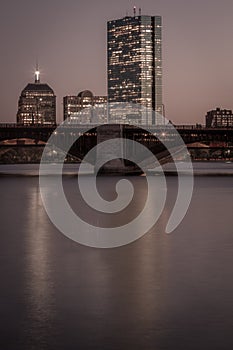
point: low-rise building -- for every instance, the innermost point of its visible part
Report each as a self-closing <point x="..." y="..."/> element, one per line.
<point x="219" y="118"/>
<point x="85" y="108"/>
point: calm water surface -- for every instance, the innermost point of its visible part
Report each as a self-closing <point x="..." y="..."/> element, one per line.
<point x="160" y="292"/>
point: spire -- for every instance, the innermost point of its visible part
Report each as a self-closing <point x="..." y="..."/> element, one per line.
<point x="37" y="74"/>
<point x="134" y="11"/>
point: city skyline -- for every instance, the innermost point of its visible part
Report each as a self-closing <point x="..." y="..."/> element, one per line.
<point x="197" y="52"/>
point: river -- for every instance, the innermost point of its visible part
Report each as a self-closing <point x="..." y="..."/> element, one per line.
<point x="160" y="292"/>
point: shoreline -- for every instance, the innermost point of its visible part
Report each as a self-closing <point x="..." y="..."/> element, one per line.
<point x="203" y="168"/>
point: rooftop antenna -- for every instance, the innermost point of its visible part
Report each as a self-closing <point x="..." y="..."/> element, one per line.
<point x="140" y="11"/>
<point x="134" y="11"/>
<point x="37" y="74"/>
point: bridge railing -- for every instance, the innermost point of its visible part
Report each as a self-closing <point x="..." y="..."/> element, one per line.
<point x="14" y="125"/>
<point x="190" y="127"/>
<point x="179" y="127"/>
<point x="201" y="127"/>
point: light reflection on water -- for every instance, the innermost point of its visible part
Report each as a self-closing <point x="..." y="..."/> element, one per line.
<point x="161" y="292"/>
<point x="39" y="288"/>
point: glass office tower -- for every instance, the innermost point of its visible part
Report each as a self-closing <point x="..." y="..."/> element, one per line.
<point x="135" y="68"/>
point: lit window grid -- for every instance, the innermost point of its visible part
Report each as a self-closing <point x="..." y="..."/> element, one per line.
<point x="36" y="108"/>
<point x="130" y="61"/>
<point x="84" y="110"/>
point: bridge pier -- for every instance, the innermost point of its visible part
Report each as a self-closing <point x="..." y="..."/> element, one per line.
<point x="116" y="166"/>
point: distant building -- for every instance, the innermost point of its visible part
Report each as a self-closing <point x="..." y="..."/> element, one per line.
<point x="219" y="118"/>
<point x="135" y="67"/>
<point x="85" y="108"/>
<point x="37" y="104"/>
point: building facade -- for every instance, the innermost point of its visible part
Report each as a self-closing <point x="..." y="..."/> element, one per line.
<point x="219" y="118"/>
<point x="135" y="67"/>
<point x="85" y="108"/>
<point x="37" y="104"/>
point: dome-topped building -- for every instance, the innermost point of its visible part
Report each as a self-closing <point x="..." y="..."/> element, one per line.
<point x="85" y="108"/>
<point x="37" y="104"/>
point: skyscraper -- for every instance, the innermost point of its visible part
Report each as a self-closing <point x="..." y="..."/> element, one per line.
<point x="135" y="65"/>
<point x="37" y="104"/>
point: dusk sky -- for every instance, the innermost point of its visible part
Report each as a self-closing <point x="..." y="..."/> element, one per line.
<point x="69" y="40"/>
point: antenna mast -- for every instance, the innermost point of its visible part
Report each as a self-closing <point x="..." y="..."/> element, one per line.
<point x="37" y="74"/>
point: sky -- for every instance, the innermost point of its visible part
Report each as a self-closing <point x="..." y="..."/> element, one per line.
<point x="69" y="40"/>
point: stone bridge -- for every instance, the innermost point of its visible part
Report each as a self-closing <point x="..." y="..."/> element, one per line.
<point x="90" y="135"/>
